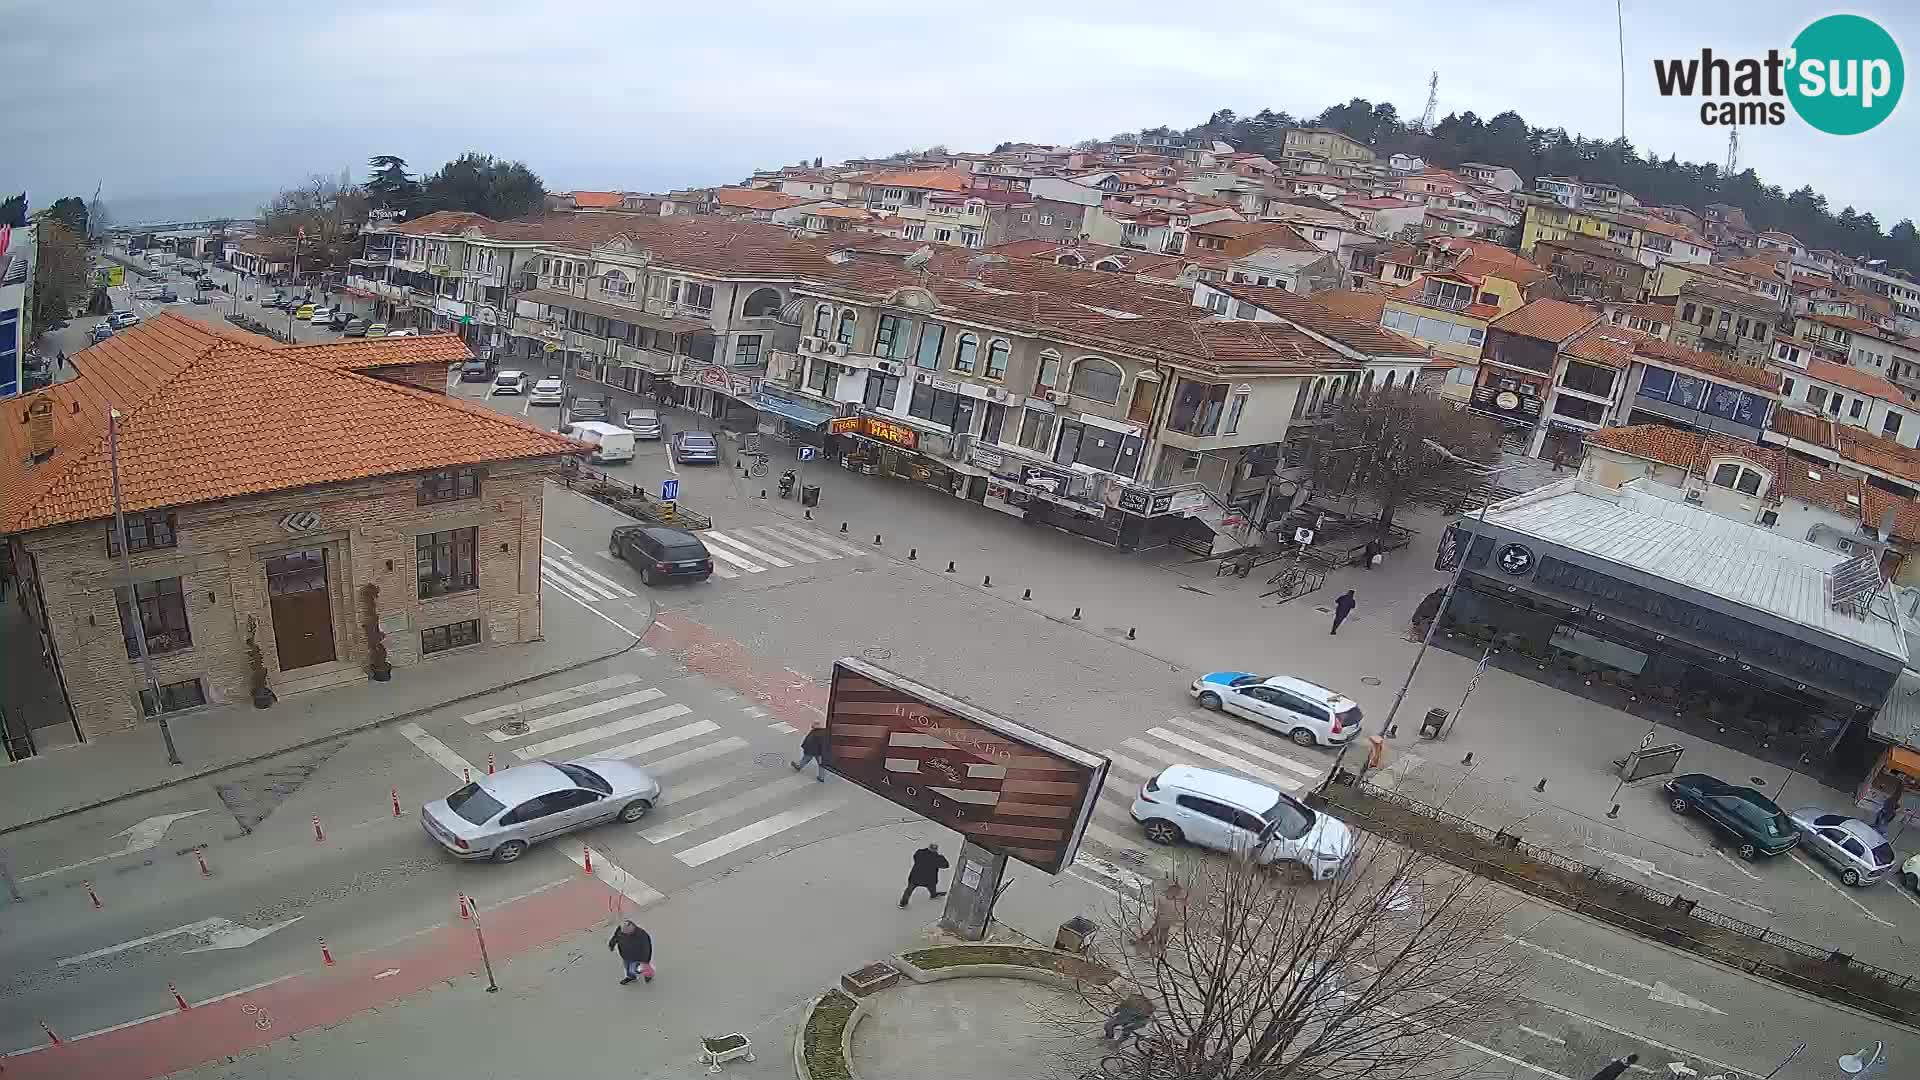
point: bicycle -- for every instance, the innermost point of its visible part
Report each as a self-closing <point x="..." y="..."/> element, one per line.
<point x="1141" y="1053"/>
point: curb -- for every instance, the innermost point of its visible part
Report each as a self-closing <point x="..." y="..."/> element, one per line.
<point x="846" y="1034"/>
<point x="653" y="616"/>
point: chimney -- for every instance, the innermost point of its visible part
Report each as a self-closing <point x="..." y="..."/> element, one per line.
<point x="40" y="429"/>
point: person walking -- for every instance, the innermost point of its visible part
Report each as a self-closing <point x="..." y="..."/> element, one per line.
<point x="927" y="864"/>
<point x="635" y="947"/>
<point x="1128" y="1017"/>
<point x="1166" y="912"/>
<point x="1342" y="608"/>
<point x="814" y="748"/>
<point x="1612" y="1069"/>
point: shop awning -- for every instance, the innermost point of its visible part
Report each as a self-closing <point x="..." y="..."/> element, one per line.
<point x="793" y="411"/>
<point x="554" y="298"/>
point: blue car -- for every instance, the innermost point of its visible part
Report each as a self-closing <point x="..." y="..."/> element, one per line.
<point x="695" y="447"/>
<point x="1307" y="713"/>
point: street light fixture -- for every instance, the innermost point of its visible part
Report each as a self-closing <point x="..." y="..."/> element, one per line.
<point x="1459" y="569"/>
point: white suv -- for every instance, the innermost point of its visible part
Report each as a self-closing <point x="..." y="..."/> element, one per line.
<point x="1305" y="712"/>
<point x="1226" y="813"/>
<point x="510" y="382"/>
<point x="547" y="392"/>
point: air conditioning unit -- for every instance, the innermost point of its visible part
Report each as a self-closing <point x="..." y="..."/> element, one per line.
<point x="994" y="393"/>
<point x="894" y="368"/>
<point x="836" y="348"/>
<point x="1058" y="397"/>
<point x="1695" y="496"/>
<point x="923" y="376"/>
<point x="810" y="344"/>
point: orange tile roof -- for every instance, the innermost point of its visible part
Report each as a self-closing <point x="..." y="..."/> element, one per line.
<point x="1353" y="303"/>
<point x="206" y="418"/>
<point x="1547" y="320"/>
<point x="1856" y="380"/>
<point x="1359" y="335"/>
<point x="755" y="198"/>
<point x="1813" y="483"/>
<point x="597" y="200"/>
<point x="1851" y="325"/>
<point x="1805" y="427"/>
<point x="367" y="353"/>
<point x="1707" y="363"/>
<point x="1660" y="313"/>
<point x="934" y="179"/>
<point x="1872" y="451"/>
<point x="1906" y="513"/>
<point x="1655" y="442"/>
<point x="1605" y="343"/>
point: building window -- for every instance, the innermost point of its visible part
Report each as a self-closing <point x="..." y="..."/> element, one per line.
<point x="1217" y="303"/>
<point x="449" y="485"/>
<point x="1817" y="396"/>
<point x="451" y="636"/>
<point x="1732" y="476"/>
<point x="881" y="390"/>
<point x="1197" y="407"/>
<point x="894" y="338"/>
<point x="1786" y="389"/>
<point x="1490" y="299"/>
<point x="943" y="236"/>
<point x="696" y="296"/>
<point x="173" y="697"/>
<point x="932" y="337"/>
<point x="1036" y="431"/>
<point x="1048" y="375"/>
<point x="1686" y="313"/>
<point x="1235" y="407"/>
<point x="997" y="359"/>
<point x="965" y="353"/>
<point x="1853" y="410"/>
<point x="1097" y="379"/>
<point x="1046" y="219"/>
<point x="446" y="563"/>
<point x="934" y="406"/>
<point x="163" y="618"/>
<point x="822" y="321"/>
<point x="823" y="377"/>
<point x="145" y="532"/>
<point x="1891" y="425"/>
<point x="746" y="351"/>
<point x="1588" y="379"/>
<point x="847" y="323"/>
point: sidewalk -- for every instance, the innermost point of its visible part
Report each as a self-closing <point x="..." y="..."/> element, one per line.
<point x="80" y="777"/>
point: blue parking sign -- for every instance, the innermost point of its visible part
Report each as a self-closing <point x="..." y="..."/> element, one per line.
<point x="806" y="453"/>
<point x="669" y="490"/>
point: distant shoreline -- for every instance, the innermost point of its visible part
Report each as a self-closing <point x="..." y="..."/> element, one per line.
<point x="157" y="209"/>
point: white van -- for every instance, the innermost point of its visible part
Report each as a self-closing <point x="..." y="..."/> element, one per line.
<point x="610" y="443"/>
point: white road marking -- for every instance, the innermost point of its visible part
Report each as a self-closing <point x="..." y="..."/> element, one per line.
<point x="777" y="544"/>
<point x="1645" y="866"/>
<point x="726" y="556"/>
<point x="615" y="878"/>
<point x="140" y="837"/>
<point x="1725" y="858"/>
<point x="582" y="579"/>
<point x="743" y="548"/>
<point x="220" y="934"/>
<point x="804" y="542"/>
<point x="1113" y="840"/>
<point x="605" y="584"/>
<point x="721" y="811"/>
<point x="584" y="712"/>
<point x="1310" y="772"/>
<point x="722" y="572"/>
<point x="586" y="689"/>
<point x="830" y="541"/>
<point x="387" y="974"/>
<point x="1714" y="1066"/>
<point x="608" y="619"/>
<point x="603" y="731"/>
<point x="696" y="755"/>
<point x="1656" y="990"/>
<point x="1538" y="1034"/>
<point x="783" y="728"/>
<point x="1795" y="856"/>
<point x="701" y="854"/>
<point x="700" y="786"/>
<point x="1284" y="783"/>
<point x="571" y="591"/>
<point x="665" y="738"/>
<point x="439" y="752"/>
<point x="563" y="548"/>
<point x="1140" y="770"/>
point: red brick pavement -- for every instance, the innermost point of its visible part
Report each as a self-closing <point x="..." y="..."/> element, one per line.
<point x="787" y="694"/>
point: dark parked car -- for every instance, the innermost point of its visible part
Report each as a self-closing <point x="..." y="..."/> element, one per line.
<point x="356" y="327"/>
<point x="1758" y="825"/>
<point x="205" y="285"/>
<point x="695" y="447"/>
<point x="339" y="321"/>
<point x="168" y="296"/>
<point x="661" y="553"/>
<point x="582" y="407"/>
<point x="476" y="371"/>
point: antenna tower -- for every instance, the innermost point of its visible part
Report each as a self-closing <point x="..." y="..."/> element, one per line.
<point x="1433" y="102"/>
<point x="1733" y="151"/>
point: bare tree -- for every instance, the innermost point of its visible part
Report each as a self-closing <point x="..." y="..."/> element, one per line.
<point x="326" y="210"/>
<point x="1378" y="443"/>
<point x="1373" y="974"/>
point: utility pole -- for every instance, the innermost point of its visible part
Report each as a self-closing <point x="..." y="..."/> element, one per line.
<point x="1733" y="151"/>
<point x="138" y="623"/>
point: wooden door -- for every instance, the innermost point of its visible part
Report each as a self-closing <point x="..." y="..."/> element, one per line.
<point x="302" y="608"/>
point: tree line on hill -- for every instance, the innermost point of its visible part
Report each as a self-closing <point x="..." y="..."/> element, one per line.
<point x="1507" y="139"/>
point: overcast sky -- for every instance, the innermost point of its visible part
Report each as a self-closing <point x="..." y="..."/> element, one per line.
<point x="164" y="99"/>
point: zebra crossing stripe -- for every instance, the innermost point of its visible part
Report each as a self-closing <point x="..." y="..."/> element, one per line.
<point x="580" y="569"/>
<point x="1251" y="750"/>
<point x="700" y="786"/>
<point x="1139" y="770"/>
<point x="724" y="555"/>
<point x="695" y="756"/>
<point x="571" y="592"/>
<point x="822" y="539"/>
<point x="666" y="738"/>
<point x="721" y="811"/>
<point x="575" y="575"/>
<point x="541" y="701"/>
<point x="1285" y="783"/>
<point x="594" y="734"/>
<point x="745" y="548"/>
<point x="722" y="572"/>
<point x="778" y="544"/>
<point x="584" y="712"/>
<point x="701" y="854"/>
<point x="796" y="542"/>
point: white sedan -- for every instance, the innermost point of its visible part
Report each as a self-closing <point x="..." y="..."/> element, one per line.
<point x="547" y="392"/>
<point x="1307" y="713"/>
<point x="320" y="314"/>
<point x="1910" y="873"/>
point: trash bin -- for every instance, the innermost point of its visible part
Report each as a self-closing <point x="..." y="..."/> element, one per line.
<point x="1076" y="935"/>
<point x="810" y="495"/>
<point x="1431" y="724"/>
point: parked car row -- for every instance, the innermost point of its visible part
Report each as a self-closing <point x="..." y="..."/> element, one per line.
<point x="1858" y="853"/>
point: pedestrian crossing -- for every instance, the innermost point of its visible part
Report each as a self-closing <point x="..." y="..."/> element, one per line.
<point x="754" y="549"/>
<point x="717" y="799"/>
<point x="564" y="573"/>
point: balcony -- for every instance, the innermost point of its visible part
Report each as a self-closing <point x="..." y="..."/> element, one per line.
<point x="373" y="258"/>
<point x="660" y="363"/>
<point x="527" y="326"/>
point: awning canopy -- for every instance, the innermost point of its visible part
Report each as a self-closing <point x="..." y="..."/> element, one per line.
<point x="554" y="298"/>
<point x="793" y="411"/>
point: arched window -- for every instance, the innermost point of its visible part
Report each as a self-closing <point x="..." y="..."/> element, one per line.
<point x="1047" y="376"/>
<point x="1366" y="385"/>
<point x="761" y="304"/>
<point x="965" y="353"/>
<point x="1112" y="266"/>
<point x="1097" y="379"/>
<point x="1313" y="403"/>
<point x="1388" y="385"/>
<point x="616" y="283"/>
<point x="847" y="320"/>
<point x="997" y="358"/>
<point x="1067" y="260"/>
<point x="823" y="320"/>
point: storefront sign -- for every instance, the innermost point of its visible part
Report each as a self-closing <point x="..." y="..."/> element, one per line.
<point x="1185" y="502"/>
<point x="888" y="431"/>
<point x="1135" y="501"/>
<point x="1162" y="504"/>
<point x="1516" y="559"/>
<point x="987" y="459"/>
<point x="847" y="425"/>
<point x="713" y="377"/>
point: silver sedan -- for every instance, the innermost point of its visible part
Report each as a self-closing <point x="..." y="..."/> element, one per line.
<point x="499" y="816"/>
<point x="1851" y="846"/>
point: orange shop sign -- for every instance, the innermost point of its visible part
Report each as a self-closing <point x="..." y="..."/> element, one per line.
<point x="846" y="425"/>
<point x="876" y="428"/>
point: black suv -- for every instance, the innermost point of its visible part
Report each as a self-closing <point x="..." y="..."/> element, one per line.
<point x="661" y="553"/>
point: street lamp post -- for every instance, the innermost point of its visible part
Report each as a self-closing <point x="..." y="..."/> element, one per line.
<point x="137" y="627"/>
<point x="1459" y="569"/>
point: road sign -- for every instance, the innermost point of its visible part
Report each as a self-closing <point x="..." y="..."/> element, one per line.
<point x="807" y="453"/>
<point x="669" y="490"/>
<point x="1303" y="537"/>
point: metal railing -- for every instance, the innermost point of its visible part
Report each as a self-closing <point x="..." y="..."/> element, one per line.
<point x="1667" y="918"/>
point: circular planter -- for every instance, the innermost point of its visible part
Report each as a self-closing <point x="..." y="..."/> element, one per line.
<point x="264" y="698"/>
<point x="380" y="674"/>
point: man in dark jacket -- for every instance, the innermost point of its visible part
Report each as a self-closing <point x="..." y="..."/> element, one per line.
<point x="1342" y="608"/>
<point x="927" y="864"/>
<point x="636" y="950"/>
<point x="1612" y="1069"/>
<point x="814" y="748"/>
